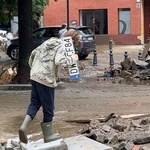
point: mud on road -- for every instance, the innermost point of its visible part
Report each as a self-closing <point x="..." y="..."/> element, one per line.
<point x="90" y="97"/>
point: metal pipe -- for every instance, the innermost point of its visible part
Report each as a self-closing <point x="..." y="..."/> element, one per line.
<point x="67" y="14"/>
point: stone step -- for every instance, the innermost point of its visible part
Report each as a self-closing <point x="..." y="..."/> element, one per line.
<point x="40" y="145"/>
<point x="72" y="143"/>
<point x="83" y="143"/>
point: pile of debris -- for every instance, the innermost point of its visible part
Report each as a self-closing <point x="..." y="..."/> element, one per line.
<point x="4" y="37"/>
<point x="120" y="132"/>
<point x="8" y="73"/>
<point x="132" y="69"/>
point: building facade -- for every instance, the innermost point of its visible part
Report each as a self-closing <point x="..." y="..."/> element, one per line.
<point x="125" y="21"/>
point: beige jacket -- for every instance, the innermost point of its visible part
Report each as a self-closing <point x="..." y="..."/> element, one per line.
<point x="45" y="60"/>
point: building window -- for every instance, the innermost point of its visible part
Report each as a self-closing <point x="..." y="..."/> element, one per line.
<point x="124" y="21"/>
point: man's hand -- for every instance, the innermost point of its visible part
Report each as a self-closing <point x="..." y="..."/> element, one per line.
<point x="75" y="56"/>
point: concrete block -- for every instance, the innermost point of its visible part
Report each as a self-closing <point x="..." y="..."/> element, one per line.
<point x="2" y="140"/>
<point x="9" y="145"/>
<point x="129" y="145"/>
<point x="4" y="148"/>
<point x="100" y="137"/>
<point x="83" y="143"/>
<point x="144" y="148"/>
<point x="106" y="128"/>
<point x="40" y="145"/>
<point x="16" y="148"/>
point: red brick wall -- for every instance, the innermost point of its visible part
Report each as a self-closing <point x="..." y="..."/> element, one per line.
<point x="56" y="12"/>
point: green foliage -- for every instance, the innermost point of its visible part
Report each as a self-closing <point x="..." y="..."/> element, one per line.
<point x="8" y="8"/>
<point x="39" y="5"/>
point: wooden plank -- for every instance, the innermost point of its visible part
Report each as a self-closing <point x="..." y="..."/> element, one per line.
<point x="135" y="116"/>
<point x="79" y="120"/>
<point x="102" y="119"/>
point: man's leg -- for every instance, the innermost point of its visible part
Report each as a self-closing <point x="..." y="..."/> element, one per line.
<point x="31" y="112"/>
<point x="47" y="101"/>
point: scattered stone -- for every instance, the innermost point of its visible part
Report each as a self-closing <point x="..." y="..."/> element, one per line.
<point x="3" y="140"/>
<point x="136" y="123"/>
<point x="106" y="128"/>
<point x="83" y="143"/>
<point x="9" y="146"/>
<point x="121" y="132"/>
<point x="144" y="148"/>
<point x="129" y="145"/>
<point x="112" y="137"/>
<point x="16" y="148"/>
<point x="15" y="143"/>
<point x="100" y="137"/>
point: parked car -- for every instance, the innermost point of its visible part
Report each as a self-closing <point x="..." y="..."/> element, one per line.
<point x="86" y="44"/>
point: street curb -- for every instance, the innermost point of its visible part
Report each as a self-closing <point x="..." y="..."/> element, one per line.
<point x="15" y="87"/>
<point x="24" y="87"/>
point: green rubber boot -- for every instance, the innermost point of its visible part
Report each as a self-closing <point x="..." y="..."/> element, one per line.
<point x="48" y="133"/>
<point x="23" y="129"/>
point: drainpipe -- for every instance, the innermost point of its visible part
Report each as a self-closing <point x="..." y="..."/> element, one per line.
<point x="142" y="21"/>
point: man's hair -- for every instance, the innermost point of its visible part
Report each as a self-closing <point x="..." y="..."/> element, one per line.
<point x="63" y="26"/>
<point x="75" y="36"/>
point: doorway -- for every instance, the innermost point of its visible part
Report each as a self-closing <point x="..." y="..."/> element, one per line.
<point x="96" y="20"/>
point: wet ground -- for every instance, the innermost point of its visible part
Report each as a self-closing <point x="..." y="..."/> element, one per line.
<point x="90" y="97"/>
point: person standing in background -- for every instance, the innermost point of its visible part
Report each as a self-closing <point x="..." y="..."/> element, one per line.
<point x="62" y="31"/>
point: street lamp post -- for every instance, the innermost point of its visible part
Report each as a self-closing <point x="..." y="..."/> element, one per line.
<point x="67" y="14"/>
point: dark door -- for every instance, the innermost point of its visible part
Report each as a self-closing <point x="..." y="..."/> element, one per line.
<point x="146" y="20"/>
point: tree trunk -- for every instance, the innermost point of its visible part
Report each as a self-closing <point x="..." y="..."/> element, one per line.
<point x="25" y="40"/>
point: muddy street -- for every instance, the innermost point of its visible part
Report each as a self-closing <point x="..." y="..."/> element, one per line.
<point x="90" y="97"/>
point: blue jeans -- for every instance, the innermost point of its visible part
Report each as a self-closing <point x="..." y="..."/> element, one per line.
<point x="41" y="95"/>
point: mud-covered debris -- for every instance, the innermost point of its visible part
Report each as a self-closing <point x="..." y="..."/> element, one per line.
<point x="124" y="132"/>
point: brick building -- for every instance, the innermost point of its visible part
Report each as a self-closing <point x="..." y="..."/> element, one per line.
<point x="125" y="21"/>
